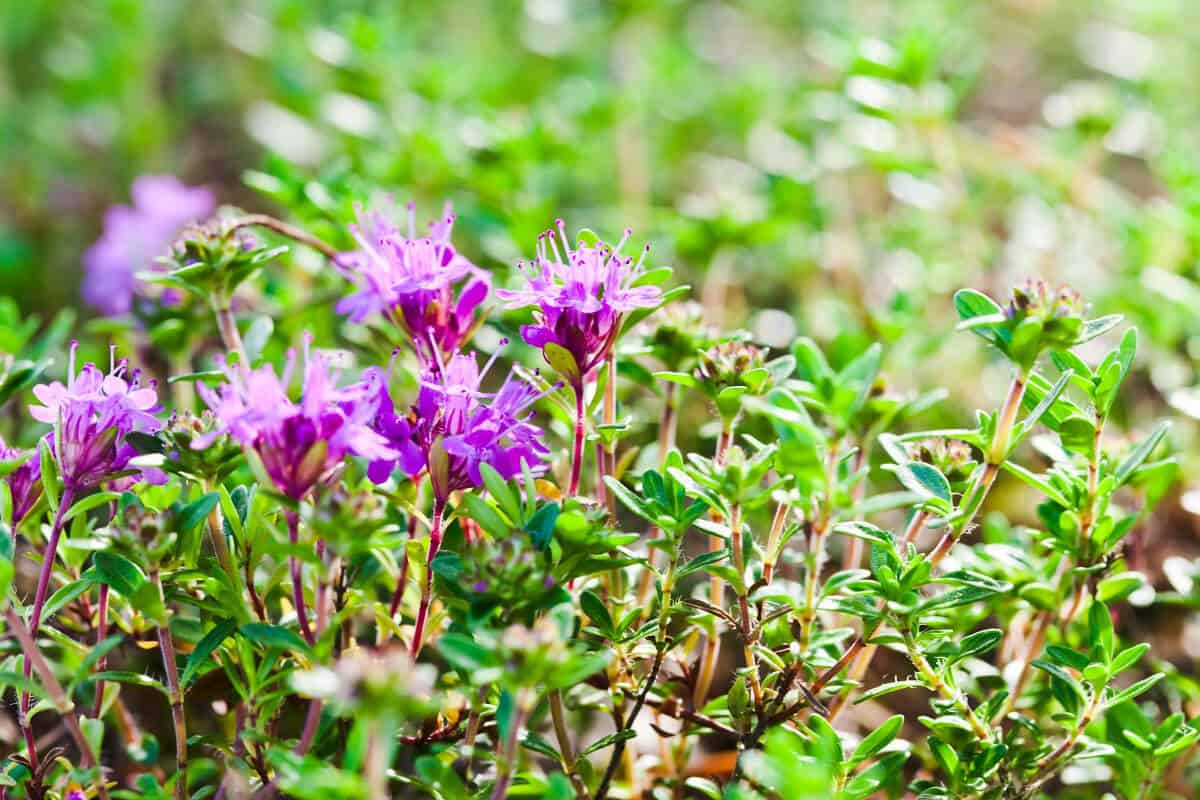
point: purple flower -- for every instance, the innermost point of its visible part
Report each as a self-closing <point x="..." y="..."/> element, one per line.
<point x="581" y="298"/>
<point x="135" y="235"/>
<point x="24" y="482"/>
<point x="299" y="443"/>
<point x="452" y="431"/>
<point x="423" y="285"/>
<point x="92" y="415"/>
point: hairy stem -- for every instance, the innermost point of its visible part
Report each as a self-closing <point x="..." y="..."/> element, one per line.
<point x="979" y="489"/>
<point x="816" y="554"/>
<point x="945" y="690"/>
<point x="739" y="562"/>
<point x="712" y="644"/>
<point x="284" y="229"/>
<point x="1051" y="761"/>
<point x="227" y="326"/>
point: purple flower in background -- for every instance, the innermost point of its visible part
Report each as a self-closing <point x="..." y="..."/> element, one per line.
<point x="135" y="235"/>
<point x="299" y="443"/>
<point x="24" y="482"/>
<point x="581" y="297"/>
<point x="455" y="427"/>
<point x="423" y="285"/>
<point x="92" y="415"/>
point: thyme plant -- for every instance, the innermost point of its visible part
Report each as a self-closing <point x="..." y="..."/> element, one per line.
<point x="389" y="568"/>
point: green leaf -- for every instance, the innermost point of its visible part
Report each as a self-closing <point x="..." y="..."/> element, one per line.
<point x="1098" y="327"/>
<point x="964" y="595"/>
<point x="90" y="502"/>
<point x="1039" y="482"/>
<point x="563" y="362"/>
<point x="464" y="653"/>
<point x="197" y="511"/>
<point x="541" y="525"/>
<point x="205" y="647"/>
<point x="887" y="688"/>
<point x="700" y="562"/>
<point x="596" y="611"/>
<point x="1067" y="657"/>
<point x="67" y="594"/>
<point x="483" y="513"/>
<point x="867" y="532"/>
<point x="1119" y="586"/>
<point x="134" y="678"/>
<point x="49" y="475"/>
<point x="7" y="568"/>
<point x="121" y="574"/>
<point x="274" y="636"/>
<point x="1100" y="630"/>
<point x="1140" y="453"/>
<point x="1128" y="657"/>
<point x="925" y="480"/>
<point x="978" y="643"/>
<point x="1066" y="689"/>
<point x="608" y="741"/>
<point x="579" y="669"/>
<point x="500" y="490"/>
<point x="1142" y="686"/>
<point x="972" y="307"/>
<point x="878" y="739"/>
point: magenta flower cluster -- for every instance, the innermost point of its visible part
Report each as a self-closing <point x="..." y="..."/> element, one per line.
<point x="455" y="427"/>
<point x="581" y="296"/>
<point x="298" y="443"/>
<point x="424" y="286"/>
<point x="24" y="481"/>
<point x="134" y="236"/>
<point x="93" y="414"/>
<point x="421" y="284"/>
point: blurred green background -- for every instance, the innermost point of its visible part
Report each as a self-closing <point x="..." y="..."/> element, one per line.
<point x="829" y="168"/>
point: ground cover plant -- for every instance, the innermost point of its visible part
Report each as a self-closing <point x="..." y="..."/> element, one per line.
<point x="669" y="400"/>
<point x="423" y="575"/>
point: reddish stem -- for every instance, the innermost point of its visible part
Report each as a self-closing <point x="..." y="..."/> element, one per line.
<point x="35" y="619"/>
<point x="101" y="635"/>
<point x="435" y="543"/>
<point x="293" y="521"/>
<point x="577" y="451"/>
<point x="398" y="595"/>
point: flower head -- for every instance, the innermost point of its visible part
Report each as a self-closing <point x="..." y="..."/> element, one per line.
<point x="455" y="428"/>
<point x="581" y="296"/>
<point x="135" y="235"/>
<point x="24" y="481"/>
<point x="421" y="283"/>
<point x="299" y="443"/>
<point x="92" y="415"/>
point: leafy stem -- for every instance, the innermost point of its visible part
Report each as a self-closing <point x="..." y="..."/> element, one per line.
<point x="62" y="702"/>
<point x="175" y="694"/>
<point x="986" y="476"/>
<point x="939" y="685"/>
